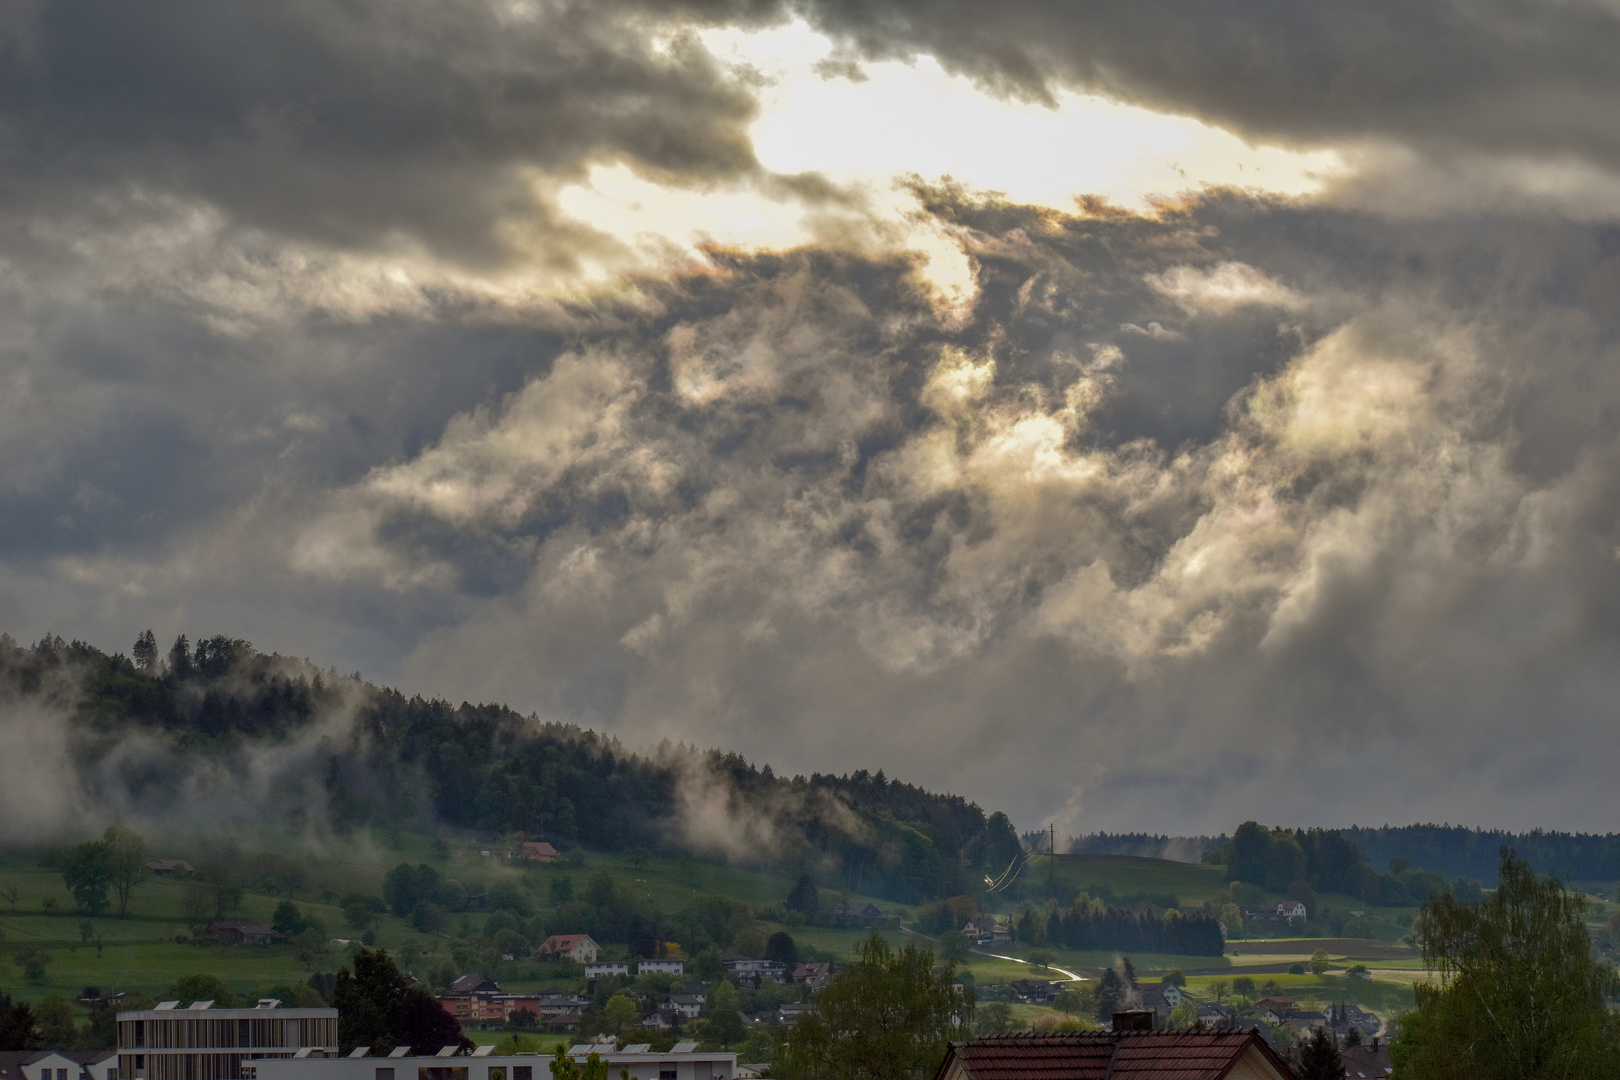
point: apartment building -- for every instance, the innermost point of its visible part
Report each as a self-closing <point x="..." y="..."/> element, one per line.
<point x="204" y="1043"/>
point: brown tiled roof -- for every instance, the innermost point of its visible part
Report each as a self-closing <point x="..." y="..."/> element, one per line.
<point x="1102" y="1055"/>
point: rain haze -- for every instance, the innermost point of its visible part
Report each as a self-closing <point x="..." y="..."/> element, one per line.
<point x="1127" y="417"/>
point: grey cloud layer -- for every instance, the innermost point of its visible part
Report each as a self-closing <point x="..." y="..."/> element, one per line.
<point x="1189" y="517"/>
<point x="1521" y="77"/>
<point x="359" y="124"/>
<point x="1181" y="520"/>
<point x="1257" y="509"/>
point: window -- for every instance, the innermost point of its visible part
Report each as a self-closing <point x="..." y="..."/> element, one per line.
<point x="666" y="1074"/>
<point x="61" y="1074"/>
<point x="497" y="1072"/>
<point x="523" y="1072"/>
<point x="385" y="1072"/>
<point x="441" y="1072"/>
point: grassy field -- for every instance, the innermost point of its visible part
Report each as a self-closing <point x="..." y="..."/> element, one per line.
<point x="141" y="955"/>
<point x="1127" y="875"/>
<point x="1385" y="996"/>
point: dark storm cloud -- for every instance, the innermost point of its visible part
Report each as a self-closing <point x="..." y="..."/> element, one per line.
<point x="1523" y="77"/>
<point x="357" y="124"/>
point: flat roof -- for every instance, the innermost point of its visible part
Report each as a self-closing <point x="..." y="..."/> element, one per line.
<point x="229" y="1014"/>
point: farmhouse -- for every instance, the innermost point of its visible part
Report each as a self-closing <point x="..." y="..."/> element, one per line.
<point x="539" y="850"/>
<point x="576" y="947"/>
<point x="984" y="931"/>
<point x="245" y="933"/>
<point x="169" y="867"/>
<point x="1287" y="911"/>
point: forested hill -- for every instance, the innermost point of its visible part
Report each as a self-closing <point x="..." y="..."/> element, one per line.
<point x="222" y="732"/>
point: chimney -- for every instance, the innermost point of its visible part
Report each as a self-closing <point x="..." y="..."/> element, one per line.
<point x="1134" y="1020"/>
<point x="1375" y="1044"/>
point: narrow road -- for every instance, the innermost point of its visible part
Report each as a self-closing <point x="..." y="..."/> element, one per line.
<point x="1069" y="975"/>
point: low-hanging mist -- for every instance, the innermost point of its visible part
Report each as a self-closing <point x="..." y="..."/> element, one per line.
<point x="226" y="737"/>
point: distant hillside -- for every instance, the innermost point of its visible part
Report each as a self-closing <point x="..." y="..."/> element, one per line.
<point x="220" y="732"/>
<point x="1472" y="853"/>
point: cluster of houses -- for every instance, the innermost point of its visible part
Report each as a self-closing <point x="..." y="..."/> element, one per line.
<point x="477" y="1001"/>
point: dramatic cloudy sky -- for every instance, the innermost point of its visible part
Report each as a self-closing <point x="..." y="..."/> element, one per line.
<point x="1135" y="415"/>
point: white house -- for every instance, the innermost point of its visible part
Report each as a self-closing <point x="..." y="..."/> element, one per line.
<point x="606" y="967"/>
<point x="748" y="967"/>
<point x="662" y="967"/>
<point x="61" y="1065"/>
<point x="576" y="947"/>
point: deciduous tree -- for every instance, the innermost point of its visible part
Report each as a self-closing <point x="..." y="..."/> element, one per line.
<point x="87" y="872"/>
<point x="1519" y="994"/>
<point x="126" y="863"/>
<point x="884" y="1017"/>
<point x="379" y="1007"/>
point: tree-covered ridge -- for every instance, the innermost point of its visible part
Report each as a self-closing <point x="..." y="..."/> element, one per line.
<point x="1457" y="851"/>
<point x="379" y="757"/>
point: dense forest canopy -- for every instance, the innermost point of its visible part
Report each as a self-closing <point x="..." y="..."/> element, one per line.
<point x="332" y="752"/>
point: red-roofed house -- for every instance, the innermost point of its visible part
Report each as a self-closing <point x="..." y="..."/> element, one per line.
<point x="576" y="947"/>
<point x="1122" y="1055"/>
<point x="539" y="850"/>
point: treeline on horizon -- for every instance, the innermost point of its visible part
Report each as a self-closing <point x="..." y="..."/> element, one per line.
<point x="1453" y="851"/>
<point x="386" y="759"/>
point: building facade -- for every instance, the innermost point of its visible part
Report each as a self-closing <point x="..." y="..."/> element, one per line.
<point x="683" y="1062"/>
<point x="204" y="1043"/>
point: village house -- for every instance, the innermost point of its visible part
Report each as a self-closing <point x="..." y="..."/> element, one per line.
<point x="1366" y="1061"/>
<point x="1275" y="1010"/>
<point x="687" y="1005"/>
<point x="539" y="851"/>
<point x="1098" y="1055"/>
<point x="606" y="967"/>
<point x="661" y="967"/>
<point x="58" y="1065"/>
<point x="475" y="983"/>
<point x="1162" y="999"/>
<point x="663" y="1019"/>
<point x="576" y="947"/>
<point x="746" y="967"/>
<point x="814" y="976"/>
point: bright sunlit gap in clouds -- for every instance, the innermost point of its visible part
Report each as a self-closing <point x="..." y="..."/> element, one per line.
<point x="867" y="133"/>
